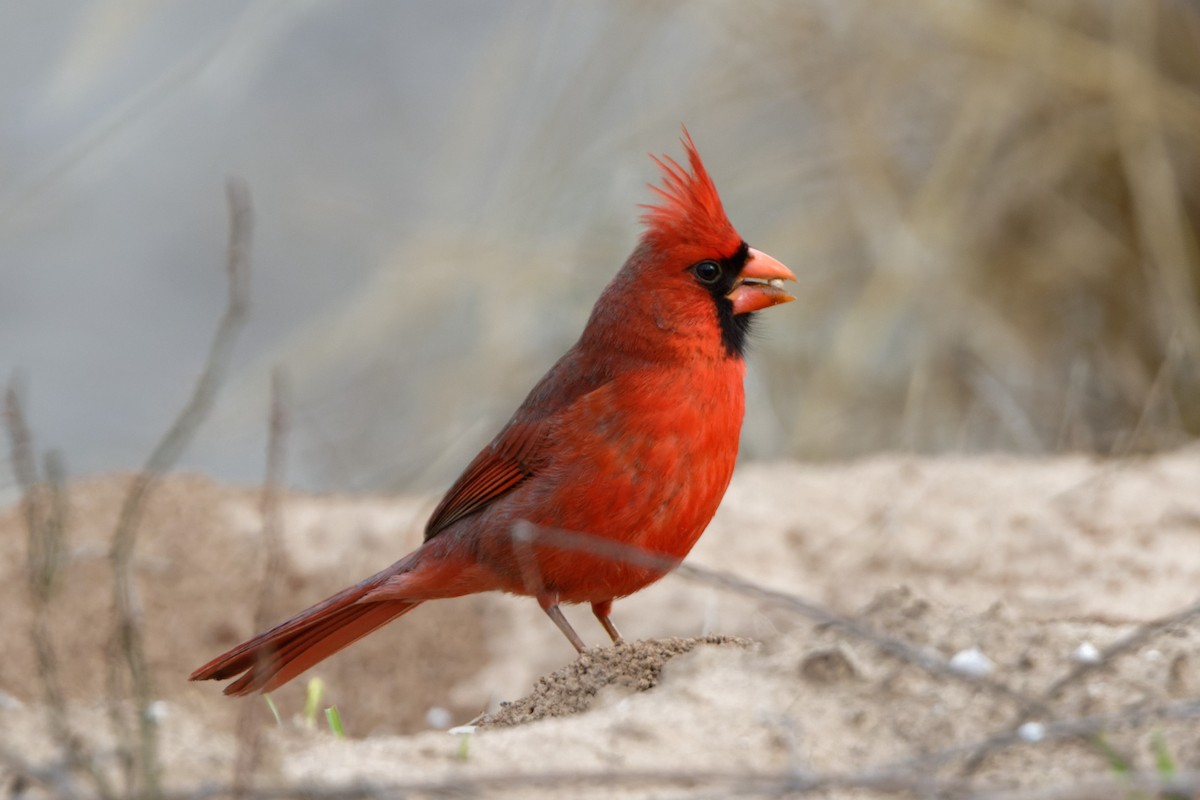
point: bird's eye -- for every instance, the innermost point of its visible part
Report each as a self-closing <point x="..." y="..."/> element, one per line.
<point x="707" y="272"/>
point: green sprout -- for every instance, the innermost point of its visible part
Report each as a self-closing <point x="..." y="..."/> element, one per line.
<point x="1164" y="763"/>
<point x="335" y="722"/>
<point x="312" y="702"/>
<point x="274" y="710"/>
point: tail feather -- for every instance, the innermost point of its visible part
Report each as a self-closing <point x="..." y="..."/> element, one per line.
<point x="271" y="659"/>
<point x="308" y="647"/>
<point x="276" y="656"/>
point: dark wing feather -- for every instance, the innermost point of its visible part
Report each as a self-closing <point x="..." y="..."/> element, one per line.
<point x="522" y="448"/>
<point x="501" y="467"/>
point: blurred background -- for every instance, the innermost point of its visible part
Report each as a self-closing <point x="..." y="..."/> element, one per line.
<point x="992" y="208"/>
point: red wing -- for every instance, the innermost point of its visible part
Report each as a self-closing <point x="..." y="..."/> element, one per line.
<point x="497" y="470"/>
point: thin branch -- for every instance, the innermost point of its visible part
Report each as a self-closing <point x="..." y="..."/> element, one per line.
<point x="58" y="776"/>
<point x="44" y="506"/>
<point x="276" y="562"/>
<point x="745" y="783"/>
<point x="1128" y="643"/>
<point x="248" y="731"/>
<point x="924" y="658"/>
<point x="127" y="639"/>
<point x="913" y="776"/>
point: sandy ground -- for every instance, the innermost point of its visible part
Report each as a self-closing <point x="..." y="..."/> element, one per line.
<point x="1021" y="568"/>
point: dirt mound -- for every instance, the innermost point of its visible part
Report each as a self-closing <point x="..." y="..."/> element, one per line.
<point x="633" y="666"/>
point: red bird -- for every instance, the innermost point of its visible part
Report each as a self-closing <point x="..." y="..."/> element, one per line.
<point x="631" y="437"/>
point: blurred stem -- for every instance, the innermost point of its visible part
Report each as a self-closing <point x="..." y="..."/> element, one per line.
<point x="249" y="734"/>
<point x="127" y="639"/>
<point x="44" y="506"/>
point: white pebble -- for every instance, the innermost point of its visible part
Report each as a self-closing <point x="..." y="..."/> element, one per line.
<point x="438" y="717"/>
<point x="9" y="703"/>
<point x="972" y="663"/>
<point x="1153" y="655"/>
<point x="1032" y="731"/>
<point x="461" y="730"/>
<point x="157" y="711"/>
<point x="1086" y="653"/>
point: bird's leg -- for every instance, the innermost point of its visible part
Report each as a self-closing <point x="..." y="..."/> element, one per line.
<point x="602" y="610"/>
<point x="549" y="603"/>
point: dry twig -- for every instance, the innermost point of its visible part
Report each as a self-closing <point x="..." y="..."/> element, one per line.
<point x="44" y="506"/>
<point x="129" y="648"/>
<point x="249" y="733"/>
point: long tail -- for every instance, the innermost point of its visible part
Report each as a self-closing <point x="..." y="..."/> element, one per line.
<point x="271" y="659"/>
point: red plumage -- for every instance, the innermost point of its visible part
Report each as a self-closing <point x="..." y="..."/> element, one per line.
<point x="691" y="212"/>
<point x="631" y="437"/>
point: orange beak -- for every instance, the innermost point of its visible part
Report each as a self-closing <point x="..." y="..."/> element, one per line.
<point x="761" y="284"/>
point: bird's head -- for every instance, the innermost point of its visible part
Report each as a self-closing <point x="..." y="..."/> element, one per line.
<point x="692" y="273"/>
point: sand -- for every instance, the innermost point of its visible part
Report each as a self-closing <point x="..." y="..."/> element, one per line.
<point x="999" y="575"/>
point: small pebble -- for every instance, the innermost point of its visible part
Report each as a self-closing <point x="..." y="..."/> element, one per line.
<point x="438" y="717"/>
<point x="1032" y="731"/>
<point x="972" y="663"/>
<point x="157" y="711"/>
<point x="1086" y="653"/>
<point x="829" y="665"/>
<point x="461" y="730"/>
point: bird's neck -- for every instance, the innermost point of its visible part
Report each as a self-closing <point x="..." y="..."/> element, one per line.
<point x="652" y="327"/>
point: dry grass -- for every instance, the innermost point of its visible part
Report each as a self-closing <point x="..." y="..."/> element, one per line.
<point x="1011" y="216"/>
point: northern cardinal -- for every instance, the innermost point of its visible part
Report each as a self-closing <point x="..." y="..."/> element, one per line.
<point x="631" y="437"/>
